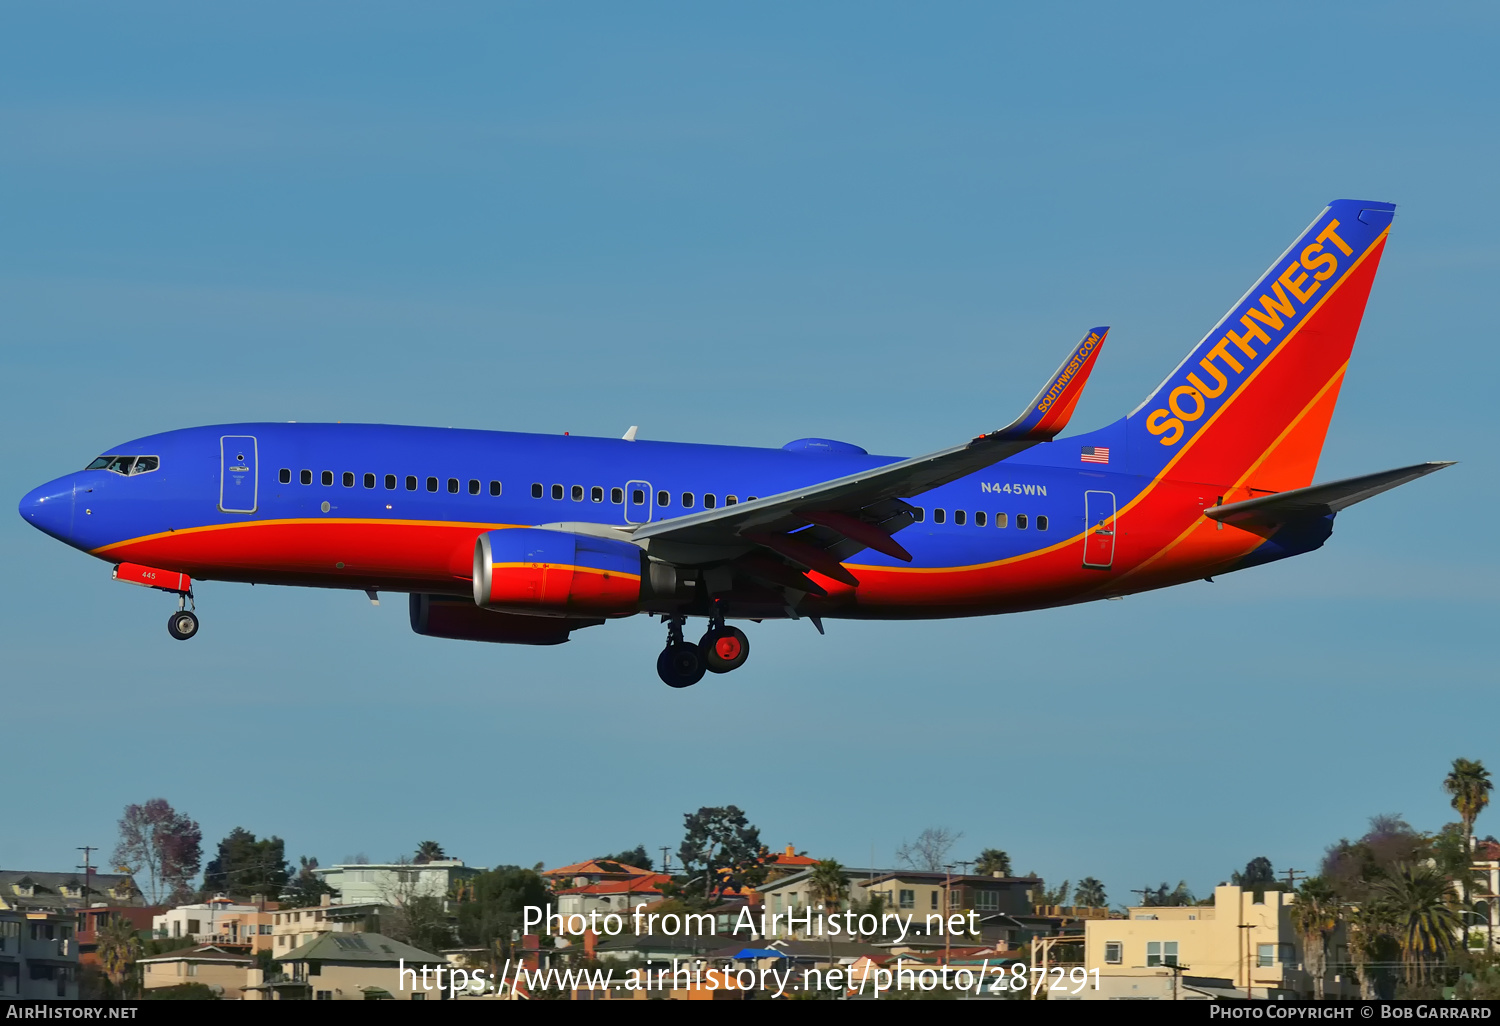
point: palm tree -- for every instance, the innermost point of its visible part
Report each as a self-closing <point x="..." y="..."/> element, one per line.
<point x="119" y="948"/>
<point x="1090" y="893"/>
<point x="429" y="851"/>
<point x="992" y="862"/>
<point x="1426" y="925"/>
<point x="1315" y="914"/>
<point x="1469" y="785"/>
<point x="830" y="883"/>
<point x="1370" y="924"/>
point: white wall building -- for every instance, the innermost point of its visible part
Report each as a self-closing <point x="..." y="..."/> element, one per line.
<point x="390" y="883"/>
<point x="197" y="922"/>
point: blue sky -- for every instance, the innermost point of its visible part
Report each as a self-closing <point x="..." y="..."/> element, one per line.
<point x="741" y="224"/>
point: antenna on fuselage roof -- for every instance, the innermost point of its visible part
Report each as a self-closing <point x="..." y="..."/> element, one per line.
<point x="629" y="436"/>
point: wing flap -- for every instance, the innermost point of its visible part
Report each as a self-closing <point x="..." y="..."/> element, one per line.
<point x="873" y="496"/>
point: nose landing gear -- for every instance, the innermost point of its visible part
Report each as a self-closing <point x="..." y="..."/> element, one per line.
<point x="183" y="624"/>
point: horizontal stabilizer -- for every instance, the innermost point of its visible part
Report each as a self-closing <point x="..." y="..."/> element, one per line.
<point x="1318" y="500"/>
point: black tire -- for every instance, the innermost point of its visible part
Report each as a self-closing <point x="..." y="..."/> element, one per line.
<point x="680" y="666"/>
<point x="183" y="624"/>
<point x="724" y="649"/>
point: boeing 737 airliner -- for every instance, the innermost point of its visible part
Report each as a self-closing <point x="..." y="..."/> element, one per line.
<point x="526" y="538"/>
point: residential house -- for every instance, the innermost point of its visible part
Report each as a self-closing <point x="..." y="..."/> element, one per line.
<point x="38" y="955"/>
<point x="393" y="882"/>
<point x="21" y="890"/>
<point x="1484" y="931"/>
<point x="617" y="896"/>
<point x="361" y="967"/>
<point x="593" y="871"/>
<point x="93" y="920"/>
<point x="1242" y="945"/>
<point x="294" y="927"/>
<point x="202" y="922"/>
<point x="226" y="973"/>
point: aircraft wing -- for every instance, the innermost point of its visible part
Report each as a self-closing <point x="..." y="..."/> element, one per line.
<point x="1317" y="500"/>
<point x="862" y="510"/>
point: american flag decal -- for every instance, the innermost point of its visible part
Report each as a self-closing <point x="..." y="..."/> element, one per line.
<point x="1095" y="454"/>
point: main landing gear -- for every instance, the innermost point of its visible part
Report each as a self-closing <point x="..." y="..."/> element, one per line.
<point x="721" y="649"/>
<point x="183" y="624"/>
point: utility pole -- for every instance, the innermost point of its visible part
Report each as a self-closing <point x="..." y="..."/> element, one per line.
<point x="664" y="862"/>
<point x="1291" y="878"/>
<point x="87" y="850"/>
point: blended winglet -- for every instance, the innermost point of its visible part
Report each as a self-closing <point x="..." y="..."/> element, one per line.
<point x="1053" y="406"/>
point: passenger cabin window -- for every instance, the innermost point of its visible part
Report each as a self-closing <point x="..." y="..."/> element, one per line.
<point x="939" y="516"/>
<point x="638" y="496"/>
<point x="411" y="482"/>
<point x="709" y="502"/>
<point x="577" y="493"/>
<point x="473" y="486"/>
<point x="348" y="479"/>
<point x="557" y="491"/>
<point x="1020" y="521"/>
<point x="390" y="482"/>
<point x="327" y="478"/>
<point x="453" y="486"/>
<point x="663" y="498"/>
<point x="617" y="496"/>
<point x="979" y="516"/>
<point x="596" y="494"/>
<point x="960" y="517"/>
<point x="1041" y="523"/>
<point x="305" y="477"/>
<point x="285" y="477"/>
<point x="536" y="491"/>
<point x="432" y="484"/>
<point x="687" y="500"/>
<point x="1002" y="520"/>
<point x="731" y="500"/>
<point x="918" y="514"/>
<point x="369" y="480"/>
<point x="494" y="487"/>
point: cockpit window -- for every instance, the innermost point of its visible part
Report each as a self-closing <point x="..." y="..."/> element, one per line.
<point x="128" y="466"/>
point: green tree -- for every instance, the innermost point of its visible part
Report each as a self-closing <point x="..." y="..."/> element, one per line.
<point x="1055" y="896"/>
<point x="491" y="909"/>
<point x="1425" y="923"/>
<point x="246" y="866"/>
<point x="992" y="862"/>
<point x="1371" y="929"/>
<point x="637" y="857"/>
<point x="830" y="884"/>
<point x="1090" y="893"/>
<point x="1257" y="875"/>
<point x="118" y="950"/>
<point x="1468" y="786"/>
<point x="721" y="849"/>
<point x="1315" y="915"/>
<point x="1355" y="868"/>
<point x="1162" y="896"/>
<point x="306" y="888"/>
<point x="428" y="851"/>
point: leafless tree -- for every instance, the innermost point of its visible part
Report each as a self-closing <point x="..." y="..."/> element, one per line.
<point x="929" y="852"/>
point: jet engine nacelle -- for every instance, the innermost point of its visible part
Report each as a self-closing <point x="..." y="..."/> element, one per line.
<point x="556" y="573"/>
<point x="445" y="616"/>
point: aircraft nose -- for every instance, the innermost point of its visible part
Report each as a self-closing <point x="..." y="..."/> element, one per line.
<point x="50" y="508"/>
